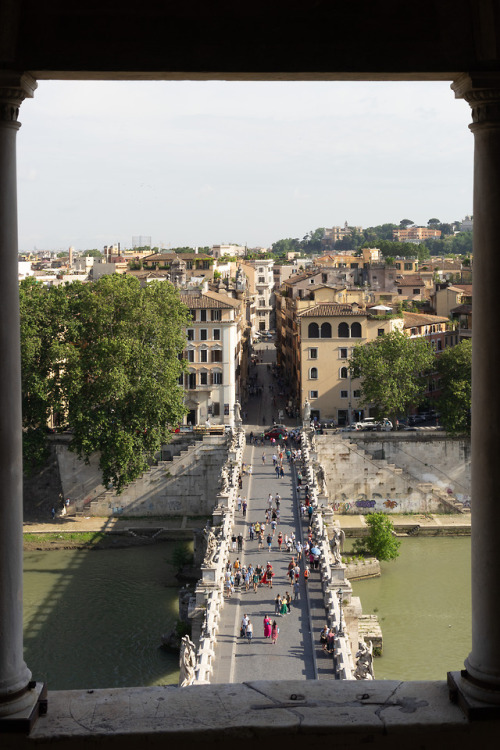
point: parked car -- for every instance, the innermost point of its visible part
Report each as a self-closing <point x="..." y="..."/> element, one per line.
<point x="369" y="423"/>
<point x="276" y="431"/>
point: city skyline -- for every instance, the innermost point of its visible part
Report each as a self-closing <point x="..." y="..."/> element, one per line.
<point x="201" y="163"/>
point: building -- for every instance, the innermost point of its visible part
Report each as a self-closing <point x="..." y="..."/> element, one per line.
<point x="335" y="234"/>
<point x="213" y="354"/>
<point x="261" y="286"/>
<point x="415" y="234"/>
<point x="218" y="251"/>
<point x="117" y="40"/>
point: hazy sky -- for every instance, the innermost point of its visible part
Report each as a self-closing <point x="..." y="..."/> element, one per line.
<point x="202" y="163"/>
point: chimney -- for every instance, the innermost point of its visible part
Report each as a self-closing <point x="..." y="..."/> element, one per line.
<point x="70" y="254"/>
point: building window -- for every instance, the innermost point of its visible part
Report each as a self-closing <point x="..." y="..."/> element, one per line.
<point x="216" y="378"/>
<point x="344" y="373"/>
<point x="203" y="316"/>
<point x="262" y="302"/>
<point x="181" y="379"/>
<point x="313" y="373"/>
<point x="203" y="334"/>
<point x="313" y="394"/>
<point x="216" y="409"/>
<point x="313" y="354"/>
<point x="190" y="334"/>
<point x="262" y="279"/>
<point x="313" y="331"/>
<point x="193" y="314"/>
<point x="203" y="378"/>
<point x="408" y="266"/>
<point x="216" y="314"/>
<point x="343" y="331"/>
<point x="192" y="380"/>
<point x="416" y="291"/>
<point x="216" y="334"/>
<point x="190" y="355"/>
<point x="440" y="345"/>
<point x="206" y="264"/>
<point x="380" y="332"/>
<point x="356" y="330"/>
<point x="203" y="355"/>
<point x="216" y="355"/>
<point x="326" y="331"/>
<point x="342" y="353"/>
<point x="356" y="394"/>
<point x="400" y="291"/>
<point x="344" y="394"/>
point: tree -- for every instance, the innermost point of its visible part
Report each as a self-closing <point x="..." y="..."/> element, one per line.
<point x="454" y="367"/>
<point x="405" y="223"/>
<point x="393" y="371"/>
<point x="110" y="362"/>
<point x="380" y="542"/>
<point x="93" y="253"/>
<point x="433" y="223"/>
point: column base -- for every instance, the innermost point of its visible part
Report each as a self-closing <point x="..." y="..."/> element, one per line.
<point x="465" y="693"/>
<point x="22" y="722"/>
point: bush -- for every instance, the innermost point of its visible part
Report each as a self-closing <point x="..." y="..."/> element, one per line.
<point x="380" y="542"/>
<point x="181" y="556"/>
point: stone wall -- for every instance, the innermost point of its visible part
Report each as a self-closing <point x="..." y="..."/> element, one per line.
<point x="359" y="479"/>
<point x="187" y="484"/>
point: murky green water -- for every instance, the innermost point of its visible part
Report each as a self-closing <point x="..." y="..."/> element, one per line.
<point x="93" y="619"/>
<point x="423" y="603"/>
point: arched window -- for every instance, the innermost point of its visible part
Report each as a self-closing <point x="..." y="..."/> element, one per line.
<point x="313" y="331"/>
<point x="356" y="331"/>
<point x="343" y="372"/>
<point x="313" y="373"/>
<point x="326" y="331"/>
<point x="343" y="330"/>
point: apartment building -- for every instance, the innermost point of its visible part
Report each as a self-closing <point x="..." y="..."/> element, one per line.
<point x="415" y="234"/>
<point x="260" y="277"/>
<point x="214" y="353"/>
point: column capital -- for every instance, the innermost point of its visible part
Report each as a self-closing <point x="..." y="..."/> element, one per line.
<point x="482" y="92"/>
<point x="14" y="89"/>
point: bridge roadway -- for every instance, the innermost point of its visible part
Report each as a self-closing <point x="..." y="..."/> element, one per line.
<point x="296" y="655"/>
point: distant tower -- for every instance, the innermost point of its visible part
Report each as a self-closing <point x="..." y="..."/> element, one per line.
<point x="70" y="254"/>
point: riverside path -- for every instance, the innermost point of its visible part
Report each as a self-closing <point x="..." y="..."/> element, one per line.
<point x="237" y="660"/>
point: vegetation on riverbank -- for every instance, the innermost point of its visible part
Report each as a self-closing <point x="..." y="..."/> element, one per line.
<point x="82" y="540"/>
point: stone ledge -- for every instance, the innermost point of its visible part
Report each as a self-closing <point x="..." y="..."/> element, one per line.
<point x="381" y="713"/>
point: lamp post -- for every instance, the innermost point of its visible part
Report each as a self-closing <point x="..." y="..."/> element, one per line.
<point x="340" y="632"/>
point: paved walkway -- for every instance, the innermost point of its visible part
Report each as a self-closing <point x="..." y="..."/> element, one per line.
<point x="292" y="656"/>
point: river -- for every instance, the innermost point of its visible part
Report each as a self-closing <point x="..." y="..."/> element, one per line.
<point x="422" y="600"/>
<point x="93" y="619"/>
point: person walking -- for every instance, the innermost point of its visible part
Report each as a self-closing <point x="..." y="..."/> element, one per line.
<point x="255" y="580"/>
<point x="280" y="540"/>
<point x="277" y="468"/>
<point x="249" y="632"/>
<point x="277" y="605"/>
<point x="284" y="608"/>
<point x="274" y="632"/>
<point x="267" y="627"/>
<point x="269" y="541"/>
<point x="296" y="591"/>
<point x="240" y="542"/>
<point x="307" y="574"/>
<point x="288" y="602"/>
<point x="243" y="626"/>
<point x="263" y="459"/>
<point x="282" y="472"/>
<point x="244" y="506"/>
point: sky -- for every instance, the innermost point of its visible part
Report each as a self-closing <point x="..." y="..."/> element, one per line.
<point x="211" y="162"/>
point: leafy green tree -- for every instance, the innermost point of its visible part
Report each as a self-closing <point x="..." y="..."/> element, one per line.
<point x="455" y="367"/>
<point x="393" y="371"/>
<point x="108" y="359"/>
<point x="93" y="253"/>
<point x="405" y="223"/>
<point x="380" y="542"/>
<point x="433" y="223"/>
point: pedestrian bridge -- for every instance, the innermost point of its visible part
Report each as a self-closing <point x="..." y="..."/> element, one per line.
<point x="219" y="653"/>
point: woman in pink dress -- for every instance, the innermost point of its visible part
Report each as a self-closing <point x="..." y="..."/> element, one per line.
<point x="274" y="632"/>
<point x="267" y="627"/>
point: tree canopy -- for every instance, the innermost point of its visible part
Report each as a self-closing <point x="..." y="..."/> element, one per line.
<point x="393" y="372"/>
<point x="380" y="542"/>
<point x="106" y="357"/>
<point x="455" y="369"/>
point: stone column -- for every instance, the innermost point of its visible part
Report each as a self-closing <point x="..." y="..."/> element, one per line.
<point x="481" y="678"/>
<point x="15" y="695"/>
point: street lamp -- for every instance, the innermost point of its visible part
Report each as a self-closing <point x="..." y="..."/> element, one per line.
<point x="340" y="595"/>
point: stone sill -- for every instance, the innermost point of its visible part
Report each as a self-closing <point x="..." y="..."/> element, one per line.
<point x="391" y="714"/>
